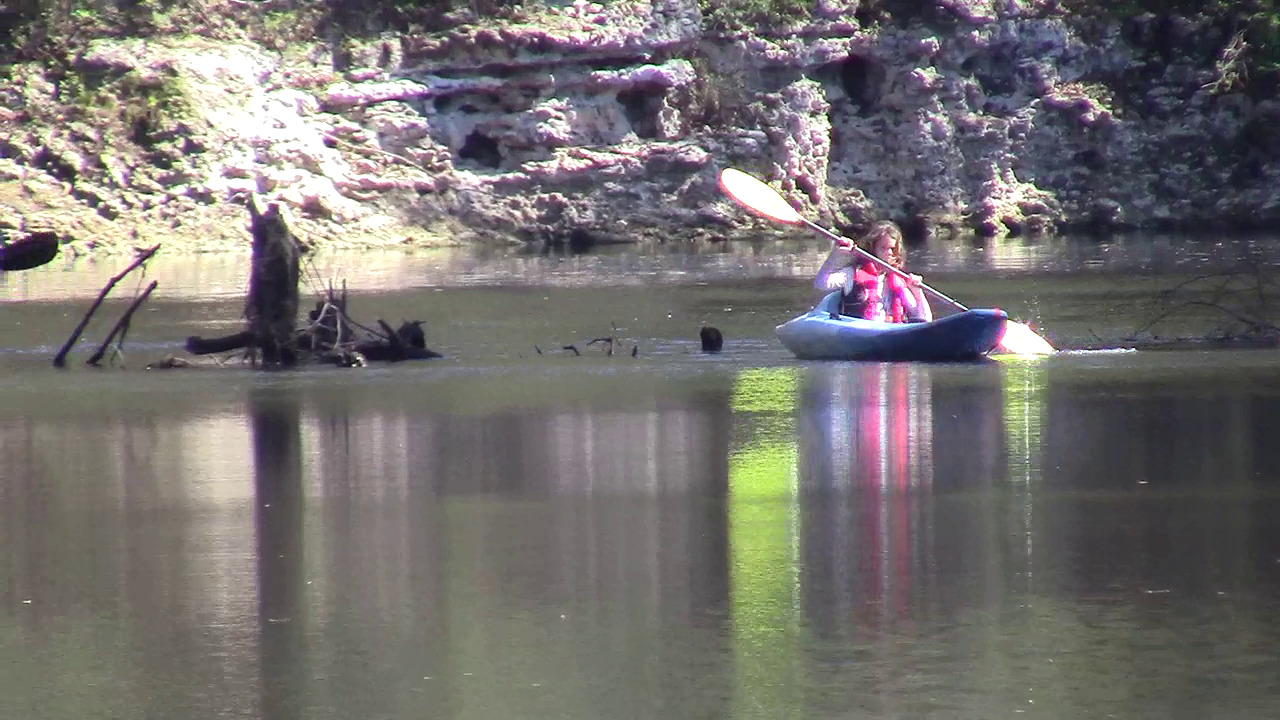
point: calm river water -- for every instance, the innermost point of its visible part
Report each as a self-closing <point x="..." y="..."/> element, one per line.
<point x="516" y="531"/>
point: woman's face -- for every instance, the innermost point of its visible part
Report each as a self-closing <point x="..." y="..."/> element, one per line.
<point x="885" y="247"/>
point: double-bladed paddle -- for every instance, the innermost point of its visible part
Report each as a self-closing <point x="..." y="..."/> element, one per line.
<point x="754" y="195"/>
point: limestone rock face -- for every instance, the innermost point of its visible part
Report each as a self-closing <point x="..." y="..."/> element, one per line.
<point x="610" y="122"/>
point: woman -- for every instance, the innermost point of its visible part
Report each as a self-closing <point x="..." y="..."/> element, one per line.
<point x="869" y="290"/>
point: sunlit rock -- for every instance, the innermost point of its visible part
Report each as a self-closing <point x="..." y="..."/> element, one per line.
<point x="612" y="119"/>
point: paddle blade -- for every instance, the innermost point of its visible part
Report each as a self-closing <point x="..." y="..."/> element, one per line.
<point x="1020" y="339"/>
<point x="754" y="195"/>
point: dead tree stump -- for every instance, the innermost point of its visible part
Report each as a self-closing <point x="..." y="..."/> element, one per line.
<point x="272" y="306"/>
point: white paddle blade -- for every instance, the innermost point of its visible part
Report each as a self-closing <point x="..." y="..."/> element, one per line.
<point x="1020" y="339"/>
<point x="754" y="195"/>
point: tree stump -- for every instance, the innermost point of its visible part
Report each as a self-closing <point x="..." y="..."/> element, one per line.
<point x="328" y="335"/>
<point x="272" y="306"/>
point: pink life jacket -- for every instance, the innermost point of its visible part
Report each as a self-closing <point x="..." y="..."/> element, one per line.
<point x="866" y="281"/>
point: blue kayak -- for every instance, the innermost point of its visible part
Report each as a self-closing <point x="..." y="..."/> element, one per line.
<point x="823" y="334"/>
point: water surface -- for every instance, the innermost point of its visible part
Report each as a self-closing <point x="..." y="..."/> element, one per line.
<point x="519" y="531"/>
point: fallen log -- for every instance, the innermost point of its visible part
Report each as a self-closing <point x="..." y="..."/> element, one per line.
<point x="197" y="345"/>
<point x="383" y="352"/>
<point x="328" y="334"/>
<point x="30" y="251"/>
<point x="169" y="363"/>
<point x="407" y="343"/>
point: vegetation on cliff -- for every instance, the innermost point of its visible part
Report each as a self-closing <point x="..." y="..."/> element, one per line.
<point x="996" y="116"/>
<point x="35" y="28"/>
<point x="53" y="30"/>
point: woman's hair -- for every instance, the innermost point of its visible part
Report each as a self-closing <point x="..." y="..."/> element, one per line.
<point x="887" y="228"/>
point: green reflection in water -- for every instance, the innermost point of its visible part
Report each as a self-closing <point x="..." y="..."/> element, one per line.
<point x="1024" y="408"/>
<point x="764" y="546"/>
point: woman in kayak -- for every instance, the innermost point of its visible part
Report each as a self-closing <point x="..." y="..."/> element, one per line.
<point x="869" y="290"/>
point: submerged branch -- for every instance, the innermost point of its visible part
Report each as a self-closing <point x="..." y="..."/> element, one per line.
<point x="1244" y="297"/>
<point x="121" y="326"/>
<point x="60" y="360"/>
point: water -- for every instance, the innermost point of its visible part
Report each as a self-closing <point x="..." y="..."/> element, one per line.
<point x="519" y="531"/>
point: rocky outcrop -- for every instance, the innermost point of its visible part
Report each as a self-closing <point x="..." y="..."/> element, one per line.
<point x="609" y="123"/>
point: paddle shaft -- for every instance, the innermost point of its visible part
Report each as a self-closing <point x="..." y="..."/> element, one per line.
<point x="841" y="241"/>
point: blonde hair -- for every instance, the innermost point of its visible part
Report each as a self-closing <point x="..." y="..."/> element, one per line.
<point x="887" y="228"/>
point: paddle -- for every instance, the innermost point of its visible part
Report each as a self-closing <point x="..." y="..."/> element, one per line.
<point x="754" y="195"/>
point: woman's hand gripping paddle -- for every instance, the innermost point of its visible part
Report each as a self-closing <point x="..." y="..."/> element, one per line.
<point x="750" y="193"/>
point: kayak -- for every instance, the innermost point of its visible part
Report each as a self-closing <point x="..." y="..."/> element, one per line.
<point x="824" y="334"/>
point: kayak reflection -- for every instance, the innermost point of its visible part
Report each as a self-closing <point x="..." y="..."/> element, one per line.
<point x="897" y="427"/>
<point x="868" y="426"/>
<point x="877" y="444"/>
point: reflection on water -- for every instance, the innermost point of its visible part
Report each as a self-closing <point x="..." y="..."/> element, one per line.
<point x="869" y="427"/>
<point x="1068" y="538"/>
<point x="277" y="470"/>
<point x="1024" y="409"/>
<point x="764" y="527"/>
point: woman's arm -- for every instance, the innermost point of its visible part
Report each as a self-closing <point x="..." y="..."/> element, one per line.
<point x="840" y="260"/>
<point x="914" y="301"/>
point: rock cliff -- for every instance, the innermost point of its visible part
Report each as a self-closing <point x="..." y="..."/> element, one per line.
<point x="590" y="123"/>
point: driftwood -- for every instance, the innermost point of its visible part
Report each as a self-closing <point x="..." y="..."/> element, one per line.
<point x="197" y="345"/>
<point x="29" y="251"/>
<point x="329" y="325"/>
<point x="60" y="360"/>
<point x="170" y="363"/>
<point x="271" y="337"/>
<point x="611" y="343"/>
<point x="407" y="343"/>
<point x="122" y="326"/>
